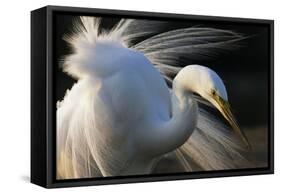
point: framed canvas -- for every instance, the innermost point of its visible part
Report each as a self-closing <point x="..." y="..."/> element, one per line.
<point x="125" y="96"/>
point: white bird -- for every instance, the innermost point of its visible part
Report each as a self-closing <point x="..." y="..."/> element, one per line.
<point x="121" y="118"/>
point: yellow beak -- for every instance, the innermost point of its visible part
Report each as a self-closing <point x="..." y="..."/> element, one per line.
<point x="224" y="108"/>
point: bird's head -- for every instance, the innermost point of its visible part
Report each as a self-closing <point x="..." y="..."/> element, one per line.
<point x="206" y="83"/>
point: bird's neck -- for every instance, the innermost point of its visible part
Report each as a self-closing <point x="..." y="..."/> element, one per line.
<point x="184" y="113"/>
<point x="173" y="133"/>
<point x="181" y="97"/>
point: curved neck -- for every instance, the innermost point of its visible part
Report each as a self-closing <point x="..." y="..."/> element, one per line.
<point x="168" y="135"/>
<point x="184" y="114"/>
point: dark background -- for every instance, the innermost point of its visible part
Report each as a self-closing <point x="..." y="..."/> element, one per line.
<point x="244" y="71"/>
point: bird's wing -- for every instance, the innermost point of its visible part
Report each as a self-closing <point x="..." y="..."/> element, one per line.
<point x="172" y="50"/>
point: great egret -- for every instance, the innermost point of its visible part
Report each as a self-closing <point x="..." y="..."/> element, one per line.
<point x="121" y="118"/>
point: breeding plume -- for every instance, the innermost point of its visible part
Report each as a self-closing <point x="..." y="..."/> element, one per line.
<point x="136" y="101"/>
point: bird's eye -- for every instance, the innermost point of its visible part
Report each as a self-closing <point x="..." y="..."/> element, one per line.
<point x="213" y="92"/>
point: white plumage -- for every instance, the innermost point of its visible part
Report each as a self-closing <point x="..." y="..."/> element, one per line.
<point x="121" y="118"/>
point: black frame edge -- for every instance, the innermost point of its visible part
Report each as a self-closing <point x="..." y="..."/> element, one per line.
<point x="155" y="14"/>
<point x="38" y="97"/>
<point x="50" y="103"/>
<point x="271" y="121"/>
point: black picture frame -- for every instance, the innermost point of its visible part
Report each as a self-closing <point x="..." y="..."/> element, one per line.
<point x="43" y="108"/>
